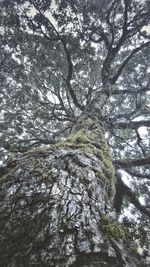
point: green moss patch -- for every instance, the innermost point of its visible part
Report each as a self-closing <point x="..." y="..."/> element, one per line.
<point x="112" y="229"/>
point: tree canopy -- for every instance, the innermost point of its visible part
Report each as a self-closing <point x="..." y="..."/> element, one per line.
<point x="58" y="57"/>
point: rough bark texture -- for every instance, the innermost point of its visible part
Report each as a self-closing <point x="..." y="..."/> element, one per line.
<point x="56" y="206"/>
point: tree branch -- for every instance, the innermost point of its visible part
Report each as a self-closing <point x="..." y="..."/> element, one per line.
<point x="68" y="57"/>
<point x="102" y="36"/>
<point x="123" y="190"/>
<point x="137" y="174"/>
<point x="128" y="91"/>
<point x="134" y="51"/>
<point x="124" y="29"/>
<point x="131" y="125"/>
<point x="125" y="163"/>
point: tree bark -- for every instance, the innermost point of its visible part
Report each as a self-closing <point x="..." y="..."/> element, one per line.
<point x="56" y="205"/>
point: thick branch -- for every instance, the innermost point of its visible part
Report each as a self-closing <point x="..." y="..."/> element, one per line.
<point x="110" y="23"/>
<point x="137" y="174"/>
<point x="125" y="163"/>
<point x="124" y="29"/>
<point x="126" y="4"/>
<point x="69" y="76"/>
<point x="134" y="200"/>
<point x="123" y="190"/>
<point x="131" y="125"/>
<point x="128" y="91"/>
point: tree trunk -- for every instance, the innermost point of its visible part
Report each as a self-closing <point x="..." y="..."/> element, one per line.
<point x="56" y="205"/>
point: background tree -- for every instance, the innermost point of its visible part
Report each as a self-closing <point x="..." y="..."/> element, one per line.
<point x="62" y="61"/>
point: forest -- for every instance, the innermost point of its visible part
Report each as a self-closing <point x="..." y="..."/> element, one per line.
<point x="74" y="133"/>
